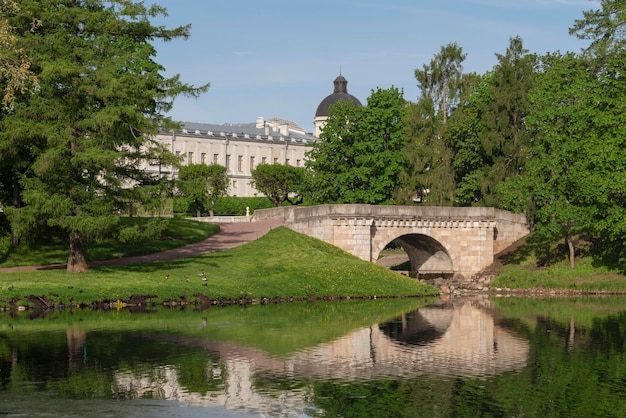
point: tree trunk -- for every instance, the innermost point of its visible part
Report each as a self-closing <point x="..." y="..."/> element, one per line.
<point x="76" y="262"/>
<point x="17" y="203"/>
<point x="570" y="245"/>
<point x="198" y="208"/>
<point x="212" y="206"/>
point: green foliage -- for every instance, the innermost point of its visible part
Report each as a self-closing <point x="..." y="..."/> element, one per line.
<point x="429" y="179"/>
<point x="203" y="184"/>
<point x="225" y="205"/>
<point x="279" y="183"/>
<point x="80" y="144"/>
<point x="442" y="79"/>
<point x="231" y="205"/>
<point x="359" y="156"/>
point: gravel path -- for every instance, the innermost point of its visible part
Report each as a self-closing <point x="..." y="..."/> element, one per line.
<point x="230" y="235"/>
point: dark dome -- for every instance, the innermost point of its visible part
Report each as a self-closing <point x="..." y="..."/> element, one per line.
<point x="340" y="93"/>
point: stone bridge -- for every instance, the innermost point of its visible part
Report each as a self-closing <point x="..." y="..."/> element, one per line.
<point x="437" y="240"/>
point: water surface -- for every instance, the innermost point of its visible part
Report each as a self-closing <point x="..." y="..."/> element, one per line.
<point x="395" y="357"/>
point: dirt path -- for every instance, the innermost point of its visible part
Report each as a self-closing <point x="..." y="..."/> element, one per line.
<point x="230" y="235"/>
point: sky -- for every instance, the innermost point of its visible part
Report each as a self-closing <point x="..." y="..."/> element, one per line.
<point x="278" y="58"/>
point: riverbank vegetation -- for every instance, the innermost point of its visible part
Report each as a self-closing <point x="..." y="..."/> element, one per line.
<point x="541" y="265"/>
<point x="281" y="265"/>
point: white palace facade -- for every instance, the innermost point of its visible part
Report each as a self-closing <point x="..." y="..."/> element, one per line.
<point x="241" y="147"/>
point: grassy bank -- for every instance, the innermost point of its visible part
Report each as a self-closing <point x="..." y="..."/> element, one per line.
<point x="282" y="264"/>
<point x="532" y="268"/>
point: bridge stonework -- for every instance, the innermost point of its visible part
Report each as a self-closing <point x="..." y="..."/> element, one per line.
<point x="436" y="239"/>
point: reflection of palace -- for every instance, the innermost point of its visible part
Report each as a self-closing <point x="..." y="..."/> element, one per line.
<point x="451" y="340"/>
<point x="240" y="147"/>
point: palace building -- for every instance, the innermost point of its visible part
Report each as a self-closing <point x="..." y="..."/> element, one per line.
<point x="241" y="147"/>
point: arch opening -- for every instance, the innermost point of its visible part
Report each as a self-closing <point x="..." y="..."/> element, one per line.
<point x="426" y="256"/>
<point x="419" y="327"/>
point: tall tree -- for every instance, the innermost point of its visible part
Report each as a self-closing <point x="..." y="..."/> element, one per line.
<point x="430" y="177"/>
<point x="561" y="181"/>
<point x="359" y="156"/>
<point x="488" y="131"/>
<point x="203" y="184"/>
<point x="102" y="97"/>
<point x="606" y="29"/>
<point x="441" y="79"/>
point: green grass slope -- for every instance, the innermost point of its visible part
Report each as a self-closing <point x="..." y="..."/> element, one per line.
<point x="282" y="264"/>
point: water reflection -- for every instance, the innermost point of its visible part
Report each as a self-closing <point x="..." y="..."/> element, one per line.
<point x="291" y="360"/>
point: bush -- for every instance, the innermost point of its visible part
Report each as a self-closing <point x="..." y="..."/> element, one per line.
<point x="226" y="206"/>
<point x="236" y="206"/>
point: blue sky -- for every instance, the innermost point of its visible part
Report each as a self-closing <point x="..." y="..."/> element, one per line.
<point x="279" y="57"/>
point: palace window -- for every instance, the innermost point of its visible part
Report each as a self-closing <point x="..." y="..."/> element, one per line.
<point x="216" y="158"/>
<point x="203" y="158"/>
<point x="251" y="163"/>
<point x="240" y="163"/>
<point x="190" y="157"/>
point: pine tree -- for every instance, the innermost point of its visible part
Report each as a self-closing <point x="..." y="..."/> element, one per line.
<point x="88" y="130"/>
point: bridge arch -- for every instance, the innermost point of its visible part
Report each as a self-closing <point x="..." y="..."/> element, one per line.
<point x="426" y="254"/>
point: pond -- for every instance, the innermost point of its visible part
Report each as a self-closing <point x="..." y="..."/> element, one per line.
<point x="470" y="357"/>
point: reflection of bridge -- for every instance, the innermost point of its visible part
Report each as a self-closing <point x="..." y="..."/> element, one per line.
<point x="450" y="340"/>
<point x="436" y="239"/>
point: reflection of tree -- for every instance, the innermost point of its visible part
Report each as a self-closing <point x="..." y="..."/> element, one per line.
<point x="43" y="358"/>
<point x="76" y="340"/>
<point x="425" y="397"/>
<point x="576" y="376"/>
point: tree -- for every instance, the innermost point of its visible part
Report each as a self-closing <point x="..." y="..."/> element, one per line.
<point x="488" y="132"/>
<point x="359" y="156"/>
<point x="428" y="149"/>
<point x="102" y="97"/>
<point x="203" y="184"/>
<point x="280" y="183"/>
<point x="441" y="79"/>
<point x="605" y="28"/>
<point x="560" y="184"/>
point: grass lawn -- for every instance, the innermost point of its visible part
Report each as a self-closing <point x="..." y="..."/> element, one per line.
<point x="281" y="264"/>
<point x="521" y="269"/>
<point x="179" y="232"/>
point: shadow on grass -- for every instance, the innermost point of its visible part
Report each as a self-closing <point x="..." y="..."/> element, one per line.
<point x="542" y="250"/>
<point x="208" y="260"/>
